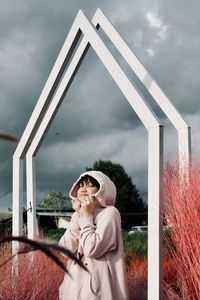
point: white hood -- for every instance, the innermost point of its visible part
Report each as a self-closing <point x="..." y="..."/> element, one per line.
<point x="106" y="194"/>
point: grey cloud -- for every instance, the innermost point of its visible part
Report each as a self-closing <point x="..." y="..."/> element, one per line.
<point x="95" y="121"/>
<point x="128" y="148"/>
<point x="90" y="111"/>
<point x="63" y="162"/>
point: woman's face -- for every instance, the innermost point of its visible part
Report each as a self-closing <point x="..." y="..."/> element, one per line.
<point x="86" y="188"/>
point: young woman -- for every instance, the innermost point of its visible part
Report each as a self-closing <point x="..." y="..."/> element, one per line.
<point x="94" y="234"/>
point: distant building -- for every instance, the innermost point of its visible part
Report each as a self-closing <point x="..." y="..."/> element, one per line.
<point x="50" y="218"/>
<point x="46" y="219"/>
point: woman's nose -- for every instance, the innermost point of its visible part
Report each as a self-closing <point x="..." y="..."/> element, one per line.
<point x="83" y="188"/>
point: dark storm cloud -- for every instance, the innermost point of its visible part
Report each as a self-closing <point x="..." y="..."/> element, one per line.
<point x="178" y="69"/>
<point x="95" y="121"/>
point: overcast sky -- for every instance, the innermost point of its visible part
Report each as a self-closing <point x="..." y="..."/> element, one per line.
<point x="95" y="121"/>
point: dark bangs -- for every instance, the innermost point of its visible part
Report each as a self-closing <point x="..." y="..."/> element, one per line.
<point x="88" y="178"/>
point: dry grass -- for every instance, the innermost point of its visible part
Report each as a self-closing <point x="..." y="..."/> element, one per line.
<point x="182" y="210"/>
<point x="137" y="277"/>
<point x="39" y="277"/>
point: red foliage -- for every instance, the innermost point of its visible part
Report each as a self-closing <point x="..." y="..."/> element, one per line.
<point x="137" y="277"/>
<point x="182" y="211"/>
<point x="39" y="278"/>
<point x="181" y="268"/>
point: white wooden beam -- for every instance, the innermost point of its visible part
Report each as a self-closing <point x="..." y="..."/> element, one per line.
<point x="184" y="135"/>
<point x="155" y="221"/>
<point x="31" y="194"/>
<point x="17" y="206"/>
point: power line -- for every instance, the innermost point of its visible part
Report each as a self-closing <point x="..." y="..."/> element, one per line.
<point x="5" y="193"/>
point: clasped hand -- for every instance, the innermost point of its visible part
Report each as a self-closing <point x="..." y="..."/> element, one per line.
<point x="85" y="206"/>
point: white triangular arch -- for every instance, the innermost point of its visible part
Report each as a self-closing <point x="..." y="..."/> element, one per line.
<point x="184" y="134"/>
<point x="48" y="103"/>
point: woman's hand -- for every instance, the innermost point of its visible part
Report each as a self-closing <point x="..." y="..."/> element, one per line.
<point x="76" y="205"/>
<point x="87" y="205"/>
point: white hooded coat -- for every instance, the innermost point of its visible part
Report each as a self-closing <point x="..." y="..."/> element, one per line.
<point x="97" y="240"/>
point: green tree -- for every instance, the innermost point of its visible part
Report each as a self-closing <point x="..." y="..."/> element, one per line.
<point x="55" y="200"/>
<point x="128" y="198"/>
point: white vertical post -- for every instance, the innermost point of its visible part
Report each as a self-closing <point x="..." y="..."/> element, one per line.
<point x="31" y="198"/>
<point x="184" y="140"/>
<point x="17" y="209"/>
<point x="155" y="228"/>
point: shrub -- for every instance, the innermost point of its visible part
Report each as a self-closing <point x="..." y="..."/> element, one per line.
<point x="37" y="273"/>
<point x="134" y="244"/>
<point x="182" y="211"/>
<point x="181" y="266"/>
<point x="137" y="277"/>
<point x="181" y="261"/>
<point x="38" y="278"/>
<point x="55" y="234"/>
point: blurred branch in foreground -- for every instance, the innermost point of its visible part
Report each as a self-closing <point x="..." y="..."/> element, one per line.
<point x="8" y="137"/>
<point x="48" y="249"/>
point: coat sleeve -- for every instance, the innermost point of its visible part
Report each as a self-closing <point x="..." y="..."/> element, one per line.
<point x="98" y="239"/>
<point x="70" y="239"/>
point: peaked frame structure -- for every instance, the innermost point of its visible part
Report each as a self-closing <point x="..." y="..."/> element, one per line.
<point x="184" y="131"/>
<point x="49" y="102"/>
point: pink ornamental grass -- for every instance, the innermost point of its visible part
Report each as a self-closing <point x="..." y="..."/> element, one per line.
<point x="182" y="212"/>
<point x="39" y="277"/>
<point x="137" y="277"/>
